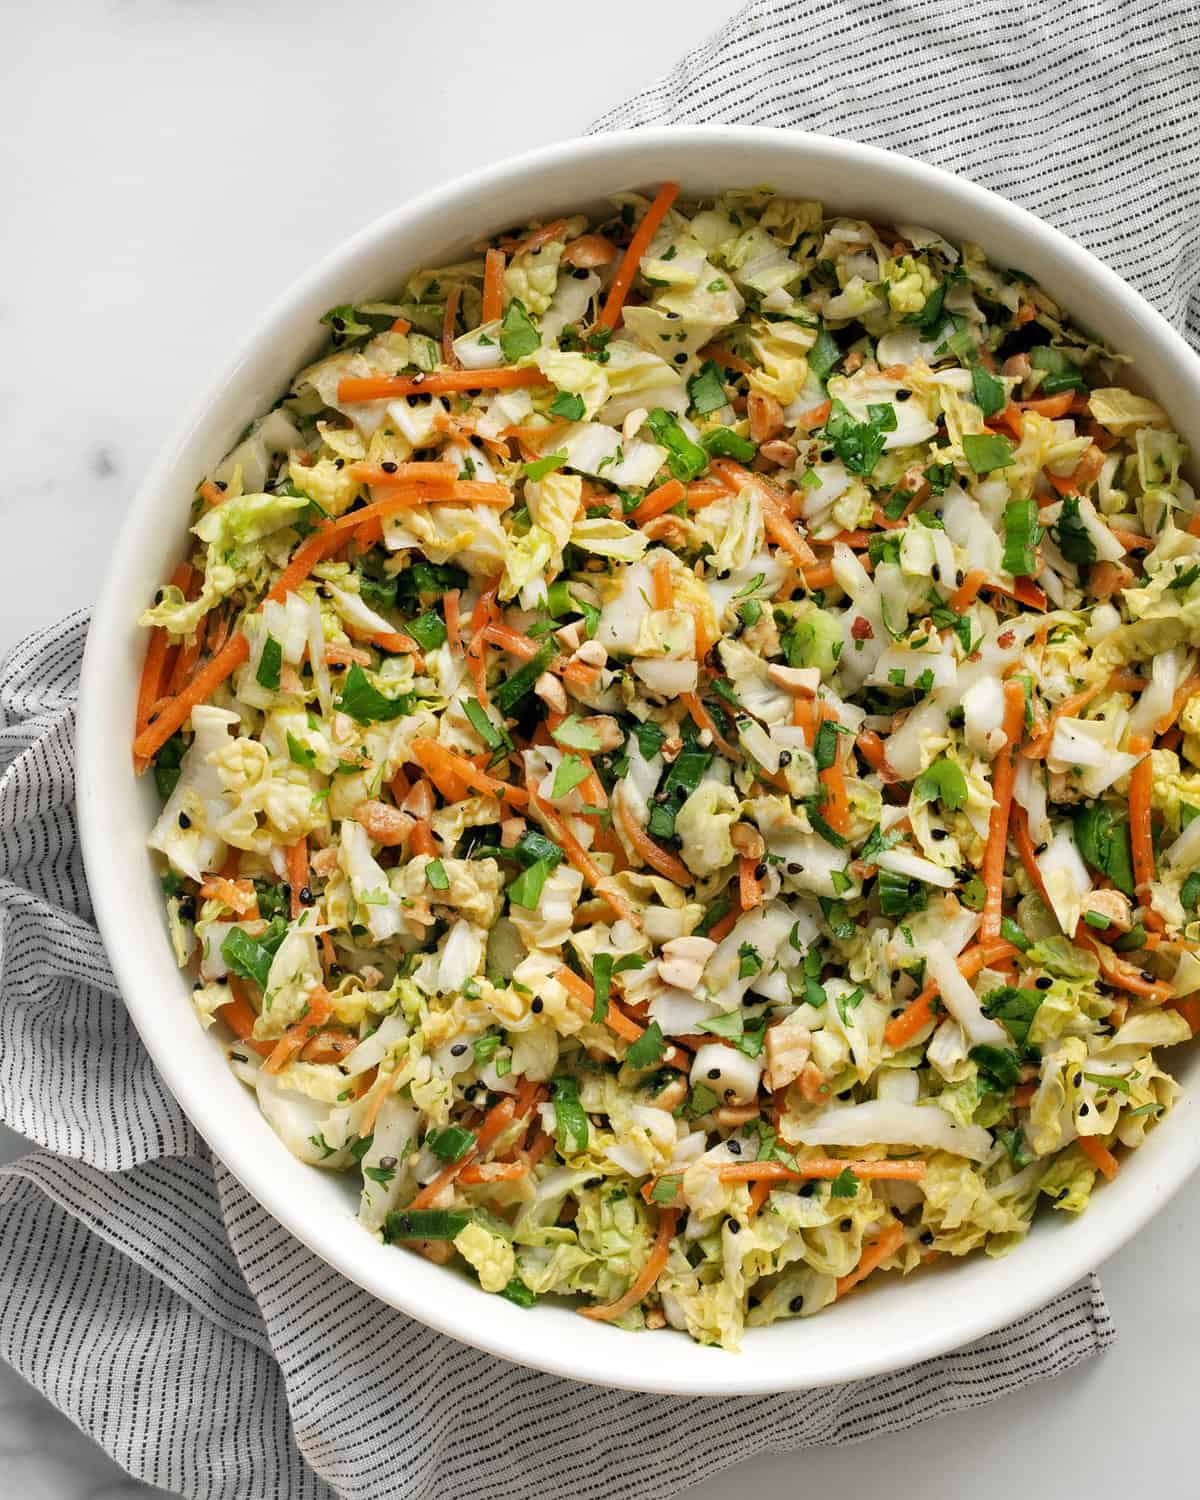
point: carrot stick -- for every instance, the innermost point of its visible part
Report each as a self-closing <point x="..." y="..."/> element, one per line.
<point x="658" y="501"/>
<point x="1121" y="975"/>
<point x="992" y="870"/>
<point x="1037" y="749"/>
<point x="657" y="858"/>
<point x="750" y="892"/>
<point x="319" y="1009"/>
<point x="836" y="810"/>
<point x="440" y="383"/>
<point x="448" y="770"/>
<point x="1050" y="406"/>
<point x="297" y="873"/>
<point x="726" y="359"/>
<point x="420" y="841"/>
<point x="663" y="593"/>
<point x="583" y="862"/>
<point x="965" y="596"/>
<point x="760" y="1191"/>
<point x="511" y="640"/>
<point x="652" y="1269"/>
<point x="703" y="720"/>
<point x="1186" y="689"/>
<point x="1099" y="1155"/>
<point x="610" y="313"/>
<point x="238" y="895"/>
<point x="901" y="1029"/>
<point x="448" y="319"/>
<point x="875" y="754"/>
<point x="781" y="531"/>
<point x="824" y="1168"/>
<point x="239" y="1015"/>
<point x="499" y="1117"/>
<point x="203" y="685"/>
<point x="1141" y="786"/>
<point x="493" y="286"/>
<point x="431" y="471"/>
<point x="450" y="601"/>
<point x="1025" y="851"/>
<point x="492" y="1171"/>
<point x="616" y="1020"/>
<point x="725" y="926"/>
<point x="875" y="1252"/>
<point x="820" y="577"/>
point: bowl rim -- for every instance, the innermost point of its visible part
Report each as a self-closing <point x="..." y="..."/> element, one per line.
<point x="97" y="765"/>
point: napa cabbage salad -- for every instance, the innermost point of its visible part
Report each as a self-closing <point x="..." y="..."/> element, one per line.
<point x="679" y="750"/>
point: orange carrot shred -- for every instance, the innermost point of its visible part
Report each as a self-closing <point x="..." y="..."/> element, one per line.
<point x="610" y="313"/>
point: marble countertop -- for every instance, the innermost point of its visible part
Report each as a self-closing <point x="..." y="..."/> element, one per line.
<point x="168" y="166"/>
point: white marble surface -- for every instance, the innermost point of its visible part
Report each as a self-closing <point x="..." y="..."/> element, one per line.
<point x="167" y="166"/>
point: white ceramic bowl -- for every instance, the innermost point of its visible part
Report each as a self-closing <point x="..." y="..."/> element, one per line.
<point x="879" y="1328"/>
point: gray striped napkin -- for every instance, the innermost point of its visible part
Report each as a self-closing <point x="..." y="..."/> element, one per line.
<point x="141" y="1289"/>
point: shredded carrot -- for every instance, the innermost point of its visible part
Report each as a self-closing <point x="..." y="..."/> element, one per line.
<point x="647" y="1276"/>
<point x="825" y="1168"/>
<point x="815" y="416"/>
<point x="1082" y="476"/>
<point x="874" y="752"/>
<point x="317" y="1012"/>
<point x="836" y="809"/>
<point x="875" y="1252"/>
<point x="1009" y="418"/>
<point x="450" y="601"/>
<point x="493" y="286"/>
<point x="1050" y="406"/>
<point x="297" y="873"/>
<point x="727" y="923"/>
<point x="820" y="577"/>
<point x="703" y="720"/>
<point x="1099" y="1155"/>
<point x="447" y="769"/>
<point x="583" y="861"/>
<point x="420" y="841"/>
<point x="239" y="895"/>
<point x="750" y="892"/>
<point x="1038" y="748"/>
<point x="966" y="595"/>
<point x="511" y="640"/>
<point x="726" y="359"/>
<point x="658" y="501"/>
<point x="1118" y="973"/>
<point x="661" y="574"/>
<point x="440" y="383"/>
<point x="493" y="1171"/>
<point x="1026" y="853"/>
<point x="425" y="472"/>
<point x="650" y="852"/>
<point x="203" y="685"/>
<point x="1023" y="590"/>
<point x="1186" y="690"/>
<point x="476" y="663"/>
<point x="1132" y="541"/>
<point x="239" y="1015"/>
<point x="781" y="531"/>
<point x="901" y="1029"/>
<point x="610" y="313"/>
<point x="1141" y="838"/>
<point x="1003" y="773"/>
<point x="760" y="1191"/>
<point x="498" y="1119"/>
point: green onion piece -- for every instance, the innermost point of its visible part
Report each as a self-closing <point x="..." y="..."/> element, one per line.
<point x="451" y="1143"/>
<point x="514" y="688"/>
<point x="723" y="442"/>
<point x="435" y="874"/>
<point x="423" y="1224"/>
<point x="428" y="630"/>
<point x="987" y="451"/>
<point x="571" y="1123"/>
<point x="1022" y="533"/>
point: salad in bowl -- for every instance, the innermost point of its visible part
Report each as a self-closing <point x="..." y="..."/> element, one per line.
<point x="679" y="747"/>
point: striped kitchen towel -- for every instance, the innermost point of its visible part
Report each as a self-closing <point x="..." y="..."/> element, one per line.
<point x="141" y="1289"/>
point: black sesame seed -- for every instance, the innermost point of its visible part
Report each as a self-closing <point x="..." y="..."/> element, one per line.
<point x="927" y="1236"/>
<point x="938" y="834"/>
<point x="1041" y="848"/>
<point x="187" y="909"/>
<point x="827" y="455"/>
<point x="1077" y="1080"/>
<point x="681" y="358"/>
<point x="846" y="1094"/>
<point x="1147" y="976"/>
<point x="580" y="273"/>
<point x="389" y="467"/>
<point x="734" y="1226"/>
<point x="592" y="1182"/>
<point x="388" y="1163"/>
<point x="731" y="1093"/>
<point x="806" y="1189"/>
<point x="306" y="896"/>
<point x="902" y="394"/>
<point x="1084" y="1109"/>
<point x="184" y="821"/>
<point x="458" y="1049"/>
<point x="359" y="504"/>
<point x="960" y="578"/>
<point x="846" y="1225"/>
<point x="735" y="1147"/>
<point x="760" y="870"/>
<point x="796" y="1304"/>
<point x="1060" y="1195"/>
<point x="537" y="1005"/>
<point x="785" y="757"/>
<point x="222" y="486"/>
<point x="339" y="463"/>
<point x="158" y="596"/>
<point x="238" y="1057"/>
<point x="338" y="323"/>
<point x="714" y="1072"/>
<point x="793" y="868"/>
<point x="1043" y="982"/>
